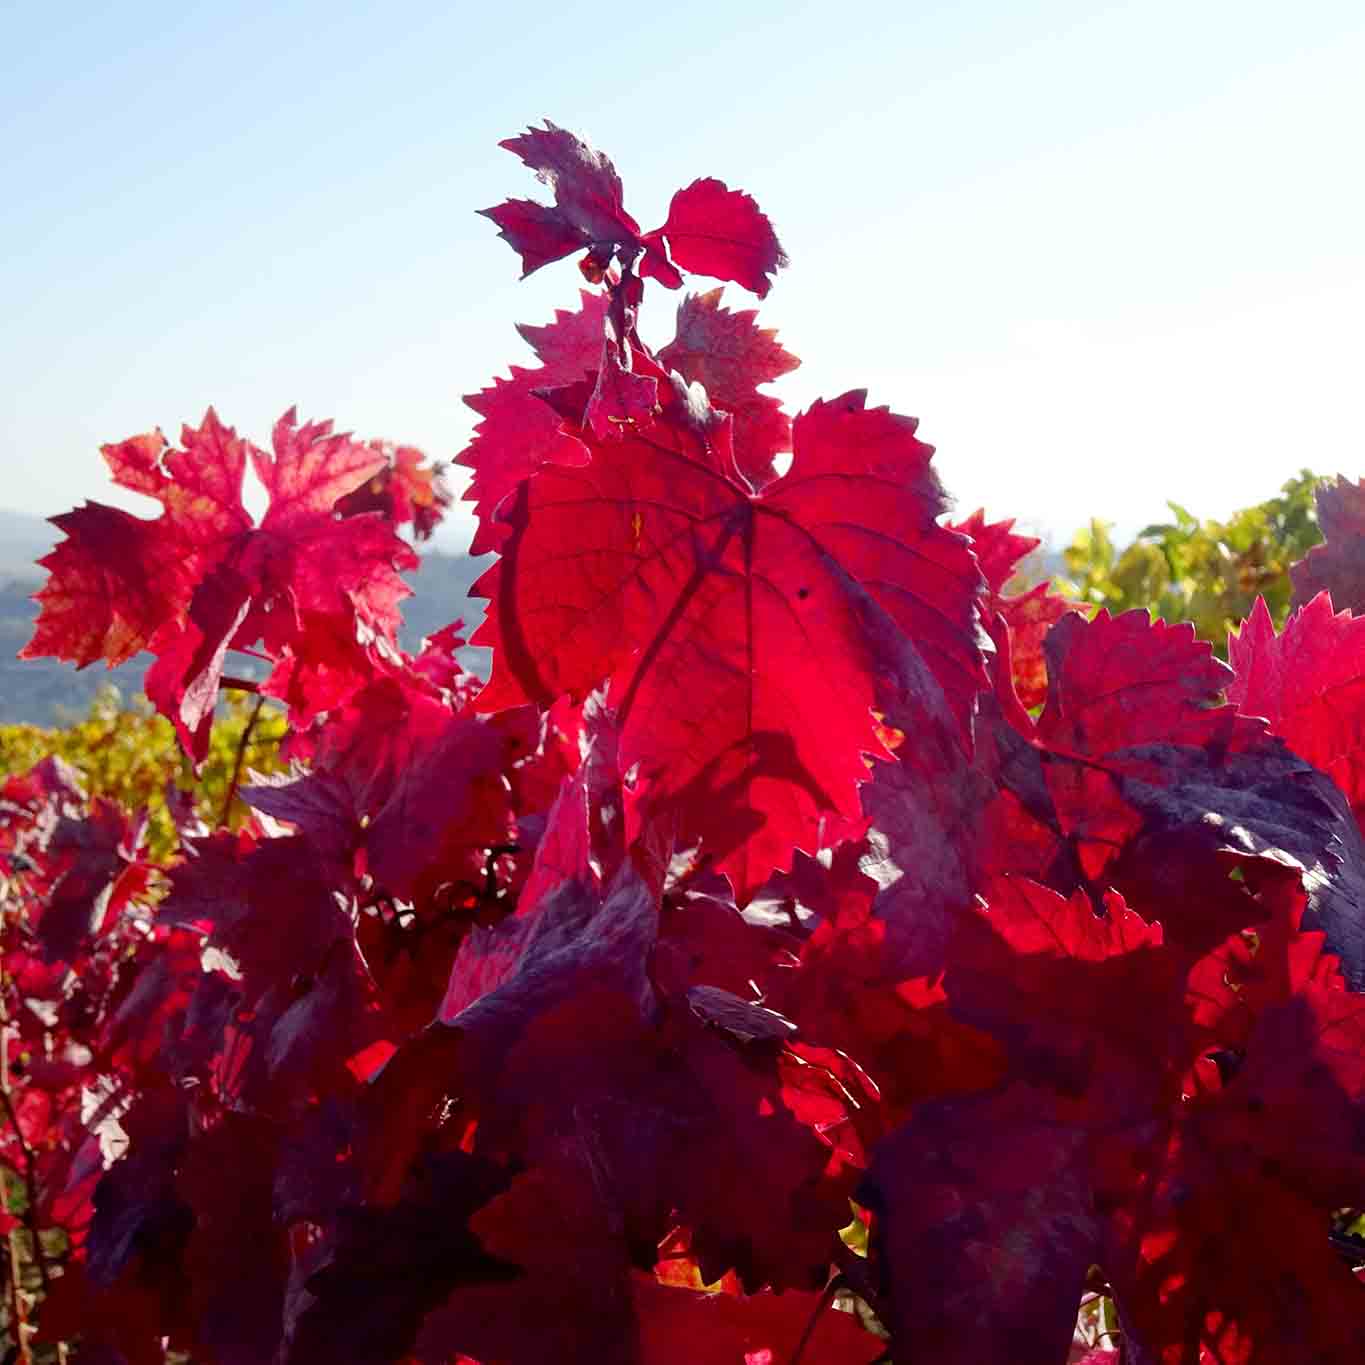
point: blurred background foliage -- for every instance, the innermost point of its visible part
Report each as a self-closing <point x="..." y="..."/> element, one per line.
<point x="1206" y="572"/>
<point x="125" y="752"/>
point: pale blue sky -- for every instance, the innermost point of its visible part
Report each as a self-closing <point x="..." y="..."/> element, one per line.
<point x="1108" y="254"/>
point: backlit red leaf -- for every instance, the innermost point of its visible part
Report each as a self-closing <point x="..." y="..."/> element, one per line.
<point x="1338" y="565"/>
<point x="201" y="580"/>
<point x="518" y="432"/>
<point x="1309" y="683"/>
<point x="713" y="230"/>
<point x="730" y="356"/>
<point x="587" y="210"/>
<point x="656" y="566"/>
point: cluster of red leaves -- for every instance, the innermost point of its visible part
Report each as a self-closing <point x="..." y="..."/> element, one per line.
<point x="788" y="873"/>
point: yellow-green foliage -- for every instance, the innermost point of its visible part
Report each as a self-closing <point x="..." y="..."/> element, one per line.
<point x="128" y="753"/>
<point x="1206" y="572"/>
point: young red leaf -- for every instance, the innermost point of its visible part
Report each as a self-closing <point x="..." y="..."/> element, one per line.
<point x="587" y="210"/>
<point x="625" y="396"/>
<point x="997" y="547"/>
<point x="735" y="626"/>
<point x="1309" y="684"/>
<point x="713" y="230"/>
<point x="311" y="467"/>
<point x="730" y="356"/>
<point x="1028" y="616"/>
<point x="407" y="491"/>
<point x="1338" y="565"/>
<point x="518" y="432"/>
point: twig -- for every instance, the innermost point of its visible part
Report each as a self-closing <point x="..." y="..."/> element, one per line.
<point x="30" y="1186"/>
<point x="238" y="684"/>
<point x="18" y="1316"/>
<point x="14" y="1260"/>
<point x="242" y="745"/>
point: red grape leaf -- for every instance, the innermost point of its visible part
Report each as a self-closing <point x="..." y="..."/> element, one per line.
<point x="407" y="491"/>
<point x="518" y="432"/>
<point x="624" y="397"/>
<point x="1042" y="973"/>
<point x="570" y="1300"/>
<point x="579" y="1303"/>
<point x="713" y="230"/>
<point x="438" y="662"/>
<point x="237" y="1256"/>
<point x="1135" y="778"/>
<point x="730" y="356"/>
<point x="1029" y="617"/>
<point x="1199" y="1293"/>
<point x="112" y="584"/>
<point x="1230" y="987"/>
<point x="201" y="580"/>
<point x="928" y="813"/>
<point x="564" y="851"/>
<point x="414" y="842"/>
<point x="92" y="869"/>
<point x="1119" y="682"/>
<point x="1309" y="684"/>
<point x="984" y="1229"/>
<point x="232" y="892"/>
<point x="1260" y="1161"/>
<point x="587" y="210"/>
<point x="997" y="547"/>
<point x="311" y="467"/>
<point x="381" y="1271"/>
<point x="849" y="993"/>
<point x="1116" y="686"/>
<point x="735" y="626"/>
<point x="183" y="681"/>
<point x="1337" y="565"/>
<point x="375" y="764"/>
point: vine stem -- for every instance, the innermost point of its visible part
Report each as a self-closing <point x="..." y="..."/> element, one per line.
<point x="14" y="1260"/>
<point x="242" y="745"/>
<point x="13" y="1264"/>
<point x="832" y="1287"/>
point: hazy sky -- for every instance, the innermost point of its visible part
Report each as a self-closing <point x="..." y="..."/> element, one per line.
<point x="1107" y="254"/>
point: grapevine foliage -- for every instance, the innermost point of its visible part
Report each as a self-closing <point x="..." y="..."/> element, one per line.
<point x="801" y="949"/>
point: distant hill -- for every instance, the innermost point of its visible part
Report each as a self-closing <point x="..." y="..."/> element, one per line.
<point x="23" y="541"/>
<point x="49" y="692"/>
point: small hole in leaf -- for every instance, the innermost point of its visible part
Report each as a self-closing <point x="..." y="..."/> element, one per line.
<point x="803" y="593"/>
